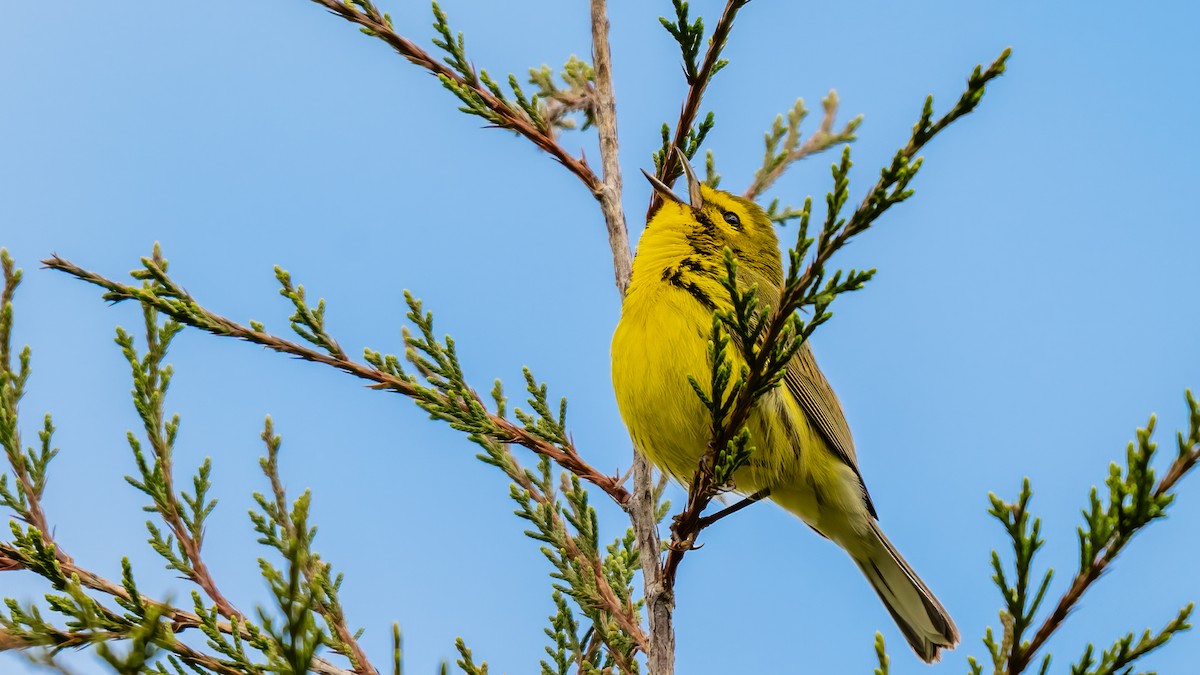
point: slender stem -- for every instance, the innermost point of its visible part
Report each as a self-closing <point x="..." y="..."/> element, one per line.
<point x="659" y="596"/>
<point x="729" y="511"/>
<point x="34" y="515"/>
<point x="337" y="619"/>
<point x="171" y="514"/>
<point x="688" y="523"/>
<point x="186" y="310"/>
<point x="605" y="112"/>
<point x="623" y="613"/>
<point x="366" y="15"/>
<point x="181" y="620"/>
<point x="330" y="611"/>
<point x="691" y="103"/>
<point x="12" y="380"/>
<point x="1022" y="656"/>
<point x="64" y="639"/>
<point x="642" y="505"/>
<point x="820" y="140"/>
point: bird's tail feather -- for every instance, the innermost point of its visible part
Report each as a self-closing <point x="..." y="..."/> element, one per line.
<point x="921" y="618"/>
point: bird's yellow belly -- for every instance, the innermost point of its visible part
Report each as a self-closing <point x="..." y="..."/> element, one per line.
<point x="651" y="365"/>
<point x="669" y="423"/>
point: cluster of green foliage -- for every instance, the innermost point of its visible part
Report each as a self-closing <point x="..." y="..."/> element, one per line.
<point x="597" y="625"/>
<point x="95" y="611"/>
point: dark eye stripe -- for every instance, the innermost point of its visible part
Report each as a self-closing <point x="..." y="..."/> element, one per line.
<point x="732" y="219"/>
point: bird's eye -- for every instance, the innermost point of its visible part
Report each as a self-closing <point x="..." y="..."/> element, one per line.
<point x="732" y="219"/>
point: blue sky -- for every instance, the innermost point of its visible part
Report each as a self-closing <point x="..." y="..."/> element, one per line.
<point x="1035" y="301"/>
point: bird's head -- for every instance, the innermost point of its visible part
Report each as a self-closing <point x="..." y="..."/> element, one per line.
<point x="713" y="219"/>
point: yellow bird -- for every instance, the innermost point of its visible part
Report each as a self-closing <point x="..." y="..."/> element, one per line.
<point x="803" y="452"/>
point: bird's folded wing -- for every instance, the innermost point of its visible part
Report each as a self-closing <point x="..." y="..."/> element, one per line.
<point x="806" y="382"/>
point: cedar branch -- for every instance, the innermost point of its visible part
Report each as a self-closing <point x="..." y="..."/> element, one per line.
<point x="670" y="169"/>
<point x="187" y="311"/>
<point x="1023" y="655"/>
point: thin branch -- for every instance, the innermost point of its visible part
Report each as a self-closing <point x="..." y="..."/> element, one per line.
<point x="781" y="328"/>
<point x="181" y="307"/>
<point x="180" y="620"/>
<point x="1186" y="460"/>
<point x="28" y="503"/>
<point x="172" y="512"/>
<point x="377" y="24"/>
<point x="689" y="522"/>
<point x="729" y="511"/>
<point x="64" y="639"/>
<point x="316" y="571"/>
<point x="670" y="169"/>
<point x="624" y="613"/>
<point x="642" y="506"/>
<point x="775" y="164"/>
<point x="605" y="112"/>
<point x="659" y="596"/>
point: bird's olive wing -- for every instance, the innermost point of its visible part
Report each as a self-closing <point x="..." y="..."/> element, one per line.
<point x="806" y="382"/>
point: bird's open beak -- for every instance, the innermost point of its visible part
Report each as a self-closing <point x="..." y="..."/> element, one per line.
<point x="694" y="194"/>
<point x="661" y="188"/>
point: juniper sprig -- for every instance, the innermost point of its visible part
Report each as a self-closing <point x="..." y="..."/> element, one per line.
<point x="479" y="93"/>
<point x="444" y="393"/>
<point x="1134" y="499"/>
<point x="769" y="337"/>
<point x="777" y="158"/>
<point x="689" y="136"/>
<point x="598" y="582"/>
<point x="92" y="610"/>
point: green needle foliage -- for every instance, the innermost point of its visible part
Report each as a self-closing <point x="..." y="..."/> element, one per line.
<point x="559" y="103"/>
<point x="600" y="623"/>
<point x="28" y="464"/>
<point x="1134" y="499"/>
<point x="881" y="654"/>
<point x="1120" y="657"/>
<point x="689" y="35"/>
<point x="768" y="338"/>
<point x="547" y="109"/>
<point x="467" y="89"/>
<point x="692" y="140"/>
<point x="783" y="148"/>
<point x="93" y="611"/>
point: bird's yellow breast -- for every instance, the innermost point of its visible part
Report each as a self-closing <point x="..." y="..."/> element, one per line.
<point x="662" y="339"/>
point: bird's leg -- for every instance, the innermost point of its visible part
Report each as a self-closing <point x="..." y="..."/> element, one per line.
<point x="757" y="496"/>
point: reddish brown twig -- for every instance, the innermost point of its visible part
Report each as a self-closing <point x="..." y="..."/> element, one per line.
<point x="63" y="639"/>
<point x="366" y="15"/>
<point x="173" y="517"/>
<point x="820" y="140"/>
<point x="32" y="512"/>
<point x="670" y="169"/>
<point x="888" y="190"/>
<point x="689" y="522"/>
<point x="180" y="620"/>
<point x="187" y="311"/>
<point x="1023" y="656"/>
<point x="623" y="612"/>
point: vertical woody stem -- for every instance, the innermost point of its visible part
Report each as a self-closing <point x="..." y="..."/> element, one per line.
<point x="605" y="112"/>
<point x="642" y="512"/>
